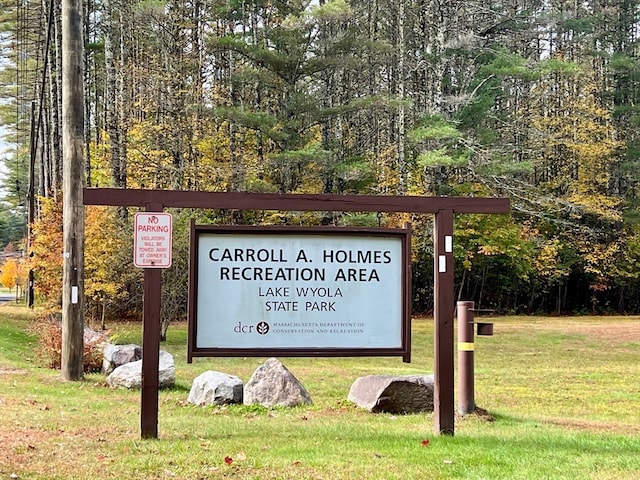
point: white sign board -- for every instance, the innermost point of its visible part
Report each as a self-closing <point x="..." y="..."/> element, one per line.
<point x="299" y="290"/>
<point x="152" y="240"/>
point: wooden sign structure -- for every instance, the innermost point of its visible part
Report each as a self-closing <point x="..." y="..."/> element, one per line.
<point x="444" y="299"/>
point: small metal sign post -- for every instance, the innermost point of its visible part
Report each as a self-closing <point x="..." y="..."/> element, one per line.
<point x="443" y="209"/>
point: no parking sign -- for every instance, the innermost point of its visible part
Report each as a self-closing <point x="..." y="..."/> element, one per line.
<point x="152" y="240"/>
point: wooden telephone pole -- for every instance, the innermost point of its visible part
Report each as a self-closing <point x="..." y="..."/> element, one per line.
<point x="72" y="185"/>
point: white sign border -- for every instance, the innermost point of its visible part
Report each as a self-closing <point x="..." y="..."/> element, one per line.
<point x="403" y="234"/>
<point x="168" y="246"/>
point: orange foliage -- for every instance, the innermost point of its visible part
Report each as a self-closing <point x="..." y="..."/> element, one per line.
<point x="48" y="329"/>
<point x="9" y="273"/>
<point x="47" y="250"/>
<point x="104" y="245"/>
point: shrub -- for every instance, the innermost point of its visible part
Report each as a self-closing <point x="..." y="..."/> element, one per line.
<point x="48" y="329"/>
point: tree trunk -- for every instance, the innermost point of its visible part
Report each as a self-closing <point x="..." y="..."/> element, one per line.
<point x="56" y="154"/>
<point x="402" y="164"/>
<point x="111" y="118"/>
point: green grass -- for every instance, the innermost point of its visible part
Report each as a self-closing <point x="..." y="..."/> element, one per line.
<point x="562" y="396"/>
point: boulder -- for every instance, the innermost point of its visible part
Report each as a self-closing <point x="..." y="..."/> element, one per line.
<point x="272" y="384"/>
<point x="215" y="388"/>
<point x="393" y="394"/>
<point x="93" y="337"/>
<point x="129" y="375"/>
<point x="115" y="355"/>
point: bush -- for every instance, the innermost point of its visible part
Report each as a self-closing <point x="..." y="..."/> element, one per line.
<point x="48" y="329"/>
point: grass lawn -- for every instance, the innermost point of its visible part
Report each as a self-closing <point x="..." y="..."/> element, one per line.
<point x="562" y="401"/>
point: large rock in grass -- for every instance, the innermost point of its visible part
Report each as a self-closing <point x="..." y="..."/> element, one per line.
<point x="272" y="384"/>
<point x="130" y="374"/>
<point x="393" y="394"/>
<point x="215" y="388"/>
<point x="115" y="355"/>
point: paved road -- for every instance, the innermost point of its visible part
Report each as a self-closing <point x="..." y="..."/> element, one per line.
<point x="7" y="297"/>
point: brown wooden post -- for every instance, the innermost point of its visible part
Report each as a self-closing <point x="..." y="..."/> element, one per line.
<point x="150" y="345"/>
<point x="443" y="401"/>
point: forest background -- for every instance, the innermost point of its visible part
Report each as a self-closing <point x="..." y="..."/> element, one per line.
<point x="535" y="100"/>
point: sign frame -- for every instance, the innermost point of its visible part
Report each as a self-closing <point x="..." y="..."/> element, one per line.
<point x="402" y="234"/>
<point x="163" y="240"/>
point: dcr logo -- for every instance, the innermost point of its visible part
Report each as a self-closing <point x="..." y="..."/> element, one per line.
<point x="262" y="328"/>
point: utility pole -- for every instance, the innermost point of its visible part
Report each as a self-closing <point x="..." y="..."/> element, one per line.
<point x="72" y="185"/>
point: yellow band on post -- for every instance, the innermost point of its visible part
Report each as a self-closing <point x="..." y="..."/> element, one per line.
<point x="465" y="346"/>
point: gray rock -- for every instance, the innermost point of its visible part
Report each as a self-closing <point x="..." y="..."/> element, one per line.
<point x="116" y="355"/>
<point x="129" y="375"/>
<point x="393" y="394"/>
<point x="215" y="388"/>
<point x="93" y="337"/>
<point x="272" y="384"/>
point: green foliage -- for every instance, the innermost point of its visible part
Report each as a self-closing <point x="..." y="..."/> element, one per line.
<point x="332" y="10"/>
<point x="559" y="65"/>
<point x="508" y="64"/>
<point x="439" y="157"/>
<point x="434" y="128"/>
<point x="12" y="227"/>
<point x="622" y="62"/>
<point x="355" y="175"/>
<point x="505" y="166"/>
<point x="485" y="245"/>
